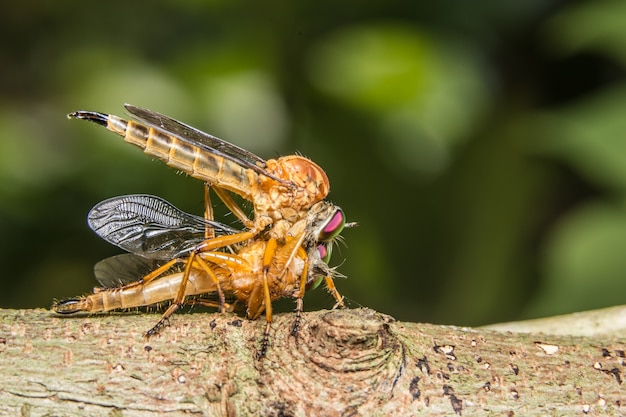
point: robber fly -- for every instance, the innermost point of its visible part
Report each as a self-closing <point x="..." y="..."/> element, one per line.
<point x="159" y="237"/>
<point x="281" y="190"/>
<point x="287" y="195"/>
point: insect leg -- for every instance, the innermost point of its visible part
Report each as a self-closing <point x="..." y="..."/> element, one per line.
<point x="226" y="260"/>
<point x="268" y="256"/>
<point x="209" y="232"/>
<point x="223" y="241"/>
<point x="220" y="258"/>
<point x="300" y="297"/>
<point x="155" y="274"/>
<point x="330" y="286"/>
<point x="228" y="308"/>
<point x="233" y="207"/>
<point x="177" y="301"/>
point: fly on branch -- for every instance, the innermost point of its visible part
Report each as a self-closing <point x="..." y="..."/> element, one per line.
<point x="176" y="257"/>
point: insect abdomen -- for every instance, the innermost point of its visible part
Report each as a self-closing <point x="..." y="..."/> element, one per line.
<point x="197" y="162"/>
<point x="136" y="295"/>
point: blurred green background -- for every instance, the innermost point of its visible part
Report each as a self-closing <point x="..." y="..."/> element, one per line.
<point x="481" y="146"/>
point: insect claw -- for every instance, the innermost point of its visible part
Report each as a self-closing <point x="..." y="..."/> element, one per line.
<point x="157" y="327"/>
<point x="265" y="342"/>
<point x="295" y="328"/>
<point x="339" y="304"/>
<point x="263" y="351"/>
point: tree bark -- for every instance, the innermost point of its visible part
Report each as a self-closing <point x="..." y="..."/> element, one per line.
<point x="342" y="363"/>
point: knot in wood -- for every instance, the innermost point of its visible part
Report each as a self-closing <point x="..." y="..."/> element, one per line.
<point x="343" y="339"/>
<point x="353" y="351"/>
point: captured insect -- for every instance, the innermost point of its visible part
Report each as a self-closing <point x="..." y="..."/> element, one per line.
<point x="175" y="256"/>
<point x="159" y="236"/>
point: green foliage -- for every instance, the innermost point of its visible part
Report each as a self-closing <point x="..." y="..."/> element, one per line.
<point x="481" y="147"/>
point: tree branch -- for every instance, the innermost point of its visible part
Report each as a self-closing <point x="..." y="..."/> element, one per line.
<point x="343" y="363"/>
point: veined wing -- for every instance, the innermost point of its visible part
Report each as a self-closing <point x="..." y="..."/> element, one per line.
<point x="195" y="137"/>
<point x="125" y="268"/>
<point x="149" y="226"/>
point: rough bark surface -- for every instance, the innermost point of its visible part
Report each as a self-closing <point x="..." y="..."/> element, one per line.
<point x="343" y="363"/>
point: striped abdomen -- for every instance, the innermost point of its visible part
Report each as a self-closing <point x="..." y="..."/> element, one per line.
<point x="291" y="183"/>
<point x="136" y="295"/>
<point x="186" y="157"/>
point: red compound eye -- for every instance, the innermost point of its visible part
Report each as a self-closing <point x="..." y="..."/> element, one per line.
<point x="334" y="226"/>
<point x="324" y="252"/>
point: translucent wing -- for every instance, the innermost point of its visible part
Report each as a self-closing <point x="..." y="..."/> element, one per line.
<point x="149" y="226"/>
<point x="198" y="138"/>
<point x="124" y="269"/>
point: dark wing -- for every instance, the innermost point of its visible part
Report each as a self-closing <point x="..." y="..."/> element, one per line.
<point x="149" y="226"/>
<point x="124" y="269"/>
<point x="196" y="137"/>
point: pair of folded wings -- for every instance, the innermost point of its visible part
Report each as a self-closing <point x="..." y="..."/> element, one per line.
<point x="150" y="229"/>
